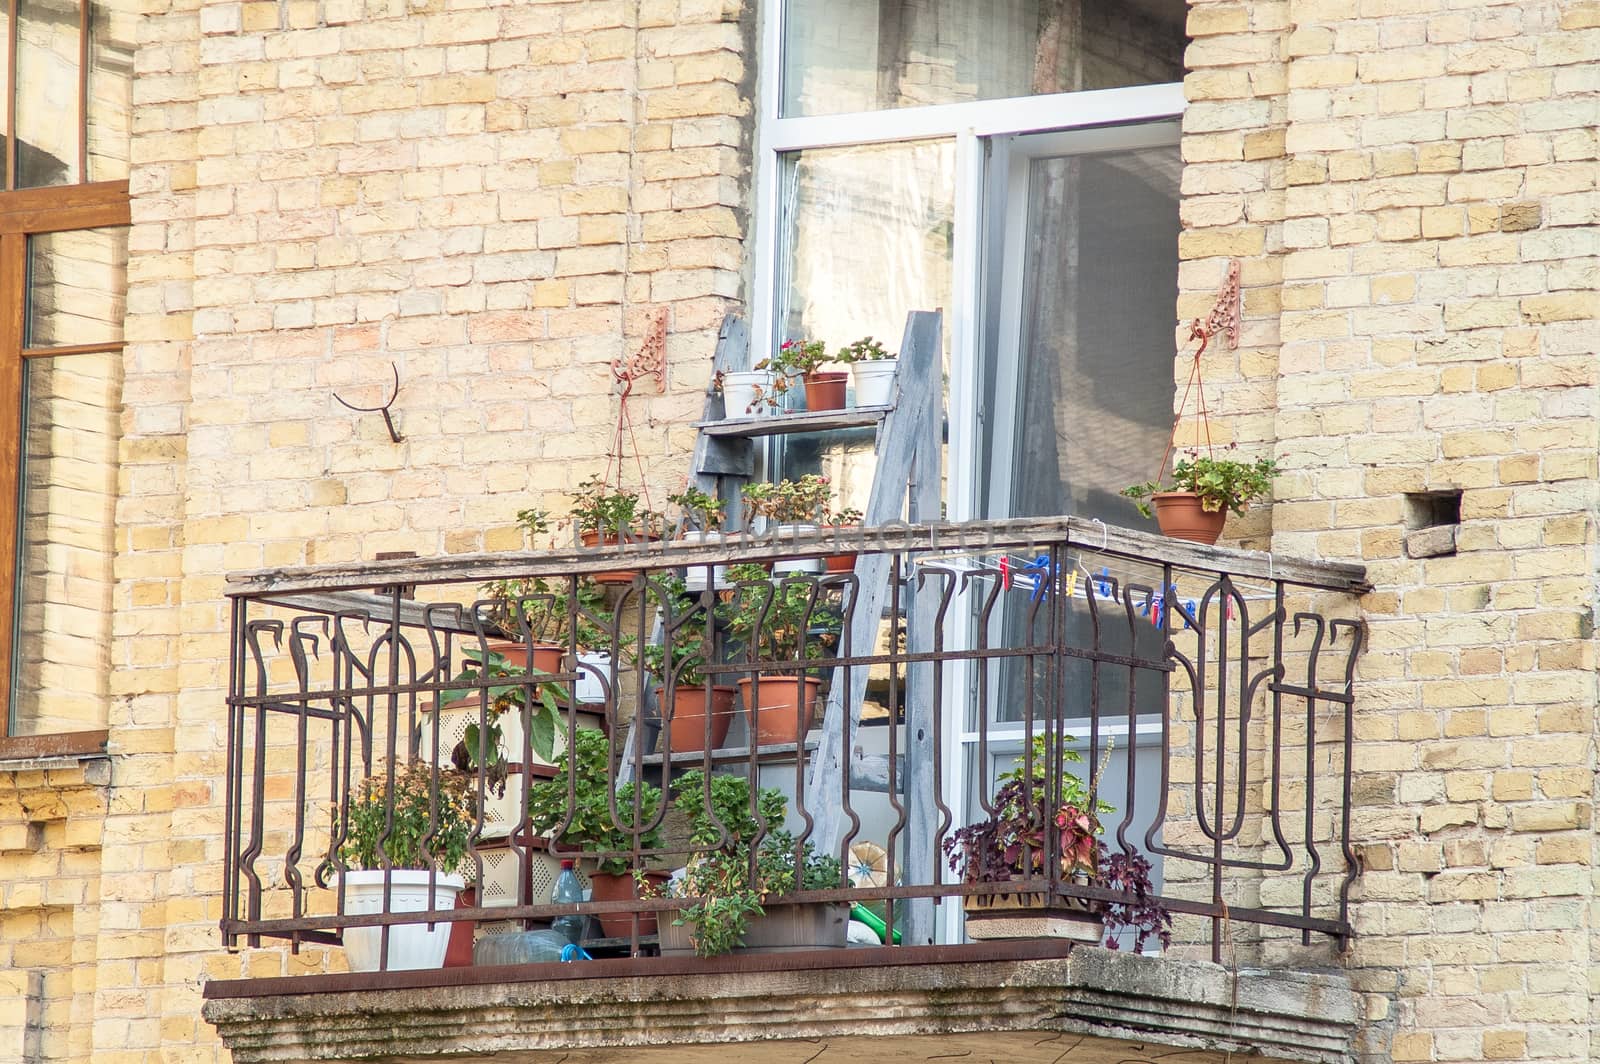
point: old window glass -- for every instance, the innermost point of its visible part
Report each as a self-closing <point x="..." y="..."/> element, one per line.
<point x="844" y="55"/>
<point x="77" y="283"/>
<point x="62" y="628"/>
<point x="47" y="93"/>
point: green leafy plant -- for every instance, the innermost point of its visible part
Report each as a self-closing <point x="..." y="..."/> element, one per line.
<point x="786" y="620"/>
<point x="587" y="823"/>
<point x="422" y="822"/>
<point x="803" y="501"/>
<point x="689" y="651"/>
<point x="747" y="860"/>
<point x="507" y="684"/>
<point x="865" y="349"/>
<point x="612" y="512"/>
<point x="846" y="518"/>
<point x="546" y="612"/>
<point x="1220" y="482"/>
<point x="701" y="510"/>
<point x="1011" y="842"/>
<point x="796" y="358"/>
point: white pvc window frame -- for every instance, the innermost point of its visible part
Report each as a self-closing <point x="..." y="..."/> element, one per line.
<point x="973" y="126"/>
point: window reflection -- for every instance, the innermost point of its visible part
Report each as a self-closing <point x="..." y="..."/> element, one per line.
<point x="845" y="55"/>
<point x="72" y="126"/>
<point x="72" y="422"/>
<point x="77" y="283"/>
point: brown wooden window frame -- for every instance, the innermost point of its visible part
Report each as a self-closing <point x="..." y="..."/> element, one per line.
<point x="23" y="214"/>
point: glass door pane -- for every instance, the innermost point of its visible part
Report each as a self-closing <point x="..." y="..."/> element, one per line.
<point x="1078" y="371"/>
<point x="1079" y="306"/>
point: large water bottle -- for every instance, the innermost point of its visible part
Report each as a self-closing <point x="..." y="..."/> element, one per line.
<point x="568" y="891"/>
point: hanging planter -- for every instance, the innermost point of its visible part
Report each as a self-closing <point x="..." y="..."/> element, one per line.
<point x="1182" y="515"/>
<point x="1194" y="502"/>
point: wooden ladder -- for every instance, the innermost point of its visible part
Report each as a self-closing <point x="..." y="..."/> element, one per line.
<point x="906" y="485"/>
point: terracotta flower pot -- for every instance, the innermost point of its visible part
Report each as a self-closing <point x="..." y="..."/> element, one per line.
<point x="609" y="887"/>
<point x="778" y="720"/>
<point x="687" y="730"/>
<point x="546" y="656"/>
<point x="842" y="563"/>
<point x="825" y="391"/>
<point x="1180" y="516"/>
<point x="592" y="538"/>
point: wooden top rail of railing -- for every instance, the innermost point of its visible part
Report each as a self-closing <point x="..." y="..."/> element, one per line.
<point x="1017" y="535"/>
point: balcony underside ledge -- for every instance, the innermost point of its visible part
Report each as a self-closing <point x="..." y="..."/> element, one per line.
<point x="1093" y="1006"/>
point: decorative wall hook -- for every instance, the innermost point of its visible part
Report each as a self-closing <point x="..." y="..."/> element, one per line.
<point x="384" y="409"/>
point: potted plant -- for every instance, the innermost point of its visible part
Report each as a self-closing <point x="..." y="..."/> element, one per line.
<point x="751" y="392"/>
<point x="873" y="369"/>
<point x="702" y="523"/>
<point x="805" y="359"/>
<point x="548" y="618"/>
<point x="402" y="836"/>
<point x="728" y="895"/>
<point x="780" y="621"/>
<point x="678" y="667"/>
<point x="789" y="508"/>
<point x="605" y="517"/>
<point x="587" y="824"/>
<point x="846" y="520"/>
<point x="1202" y="489"/>
<point x="1015" y="842"/>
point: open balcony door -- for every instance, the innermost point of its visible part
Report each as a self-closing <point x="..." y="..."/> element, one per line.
<point x="1078" y="316"/>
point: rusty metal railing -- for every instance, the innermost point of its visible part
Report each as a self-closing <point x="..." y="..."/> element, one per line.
<point x="1208" y="695"/>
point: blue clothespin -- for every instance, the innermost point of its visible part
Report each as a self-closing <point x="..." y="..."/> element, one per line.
<point x="1039" y="569"/>
<point x="1188" y="604"/>
<point x="1105" y="582"/>
<point x="574" y="952"/>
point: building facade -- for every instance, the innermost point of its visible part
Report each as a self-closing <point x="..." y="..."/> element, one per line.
<point x="221" y="216"/>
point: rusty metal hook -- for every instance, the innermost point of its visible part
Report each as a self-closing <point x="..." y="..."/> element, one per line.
<point x="384" y="409"/>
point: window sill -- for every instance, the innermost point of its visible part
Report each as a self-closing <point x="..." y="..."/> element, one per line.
<point x="29" y="752"/>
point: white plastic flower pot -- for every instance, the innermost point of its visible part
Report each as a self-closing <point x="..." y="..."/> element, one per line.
<point x="590" y="689"/>
<point x="874" y="381"/>
<point x="411" y="946"/>
<point x="785" y="566"/>
<point x="745" y="392"/>
<point x="694" y="576"/>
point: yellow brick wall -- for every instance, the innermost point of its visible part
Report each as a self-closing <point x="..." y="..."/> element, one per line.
<point x="1412" y="187"/>
<point x="498" y="199"/>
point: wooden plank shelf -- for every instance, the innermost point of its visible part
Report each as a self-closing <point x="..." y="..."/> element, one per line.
<point x="732" y="755"/>
<point x="745" y="428"/>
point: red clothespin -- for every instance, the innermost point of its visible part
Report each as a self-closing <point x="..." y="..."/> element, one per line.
<point x="1005" y="572"/>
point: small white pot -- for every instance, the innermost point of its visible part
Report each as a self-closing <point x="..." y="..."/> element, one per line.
<point x="784" y="566"/>
<point x="694" y="576"/>
<point x="745" y="392"/>
<point x="411" y="946"/>
<point x="874" y="381"/>
<point x="590" y="690"/>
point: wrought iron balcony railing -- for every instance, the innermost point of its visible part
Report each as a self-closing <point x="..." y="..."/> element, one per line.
<point x="1174" y="723"/>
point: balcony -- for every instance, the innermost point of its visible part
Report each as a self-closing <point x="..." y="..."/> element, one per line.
<point x="996" y="783"/>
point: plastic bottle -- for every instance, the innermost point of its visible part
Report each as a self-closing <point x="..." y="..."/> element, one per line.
<point x="568" y="891"/>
